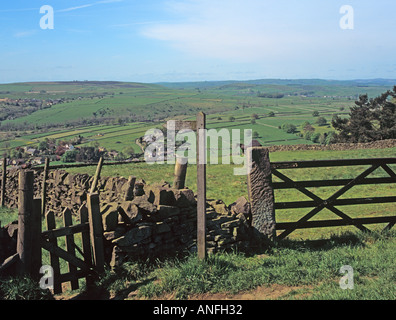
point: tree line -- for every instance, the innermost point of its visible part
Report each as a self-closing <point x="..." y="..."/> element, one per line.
<point x="369" y="120"/>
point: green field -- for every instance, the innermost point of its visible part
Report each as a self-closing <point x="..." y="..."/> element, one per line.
<point x="125" y="111"/>
<point x="228" y="105"/>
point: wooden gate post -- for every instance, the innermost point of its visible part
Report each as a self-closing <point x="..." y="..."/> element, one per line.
<point x="44" y="187"/>
<point x="261" y="194"/>
<point x="26" y="224"/>
<point x="201" y="185"/>
<point x="3" y="182"/>
<point x="96" y="231"/>
<point x="180" y="172"/>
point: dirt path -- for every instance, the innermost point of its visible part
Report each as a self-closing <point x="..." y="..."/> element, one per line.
<point x="271" y="292"/>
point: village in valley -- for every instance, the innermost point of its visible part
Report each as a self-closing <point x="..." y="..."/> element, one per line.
<point x="61" y="151"/>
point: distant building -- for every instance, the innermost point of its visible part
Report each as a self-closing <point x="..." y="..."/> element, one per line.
<point x="38" y="160"/>
<point x="69" y="147"/>
<point x="112" y="154"/>
<point x="32" y="151"/>
<point x="18" y="162"/>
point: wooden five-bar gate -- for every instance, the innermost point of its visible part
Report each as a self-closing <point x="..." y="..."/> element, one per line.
<point x="333" y="202"/>
<point x="265" y="207"/>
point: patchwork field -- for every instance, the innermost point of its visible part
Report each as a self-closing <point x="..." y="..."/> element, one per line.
<point x="115" y="114"/>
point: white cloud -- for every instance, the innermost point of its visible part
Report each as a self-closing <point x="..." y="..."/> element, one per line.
<point x="24" y="34"/>
<point x="89" y="5"/>
<point x="235" y="30"/>
<point x="76" y="8"/>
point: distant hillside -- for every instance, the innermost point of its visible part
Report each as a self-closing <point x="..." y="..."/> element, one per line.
<point x="284" y="82"/>
<point x="98" y="102"/>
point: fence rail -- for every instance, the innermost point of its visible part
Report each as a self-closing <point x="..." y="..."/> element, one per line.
<point x="330" y="203"/>
<point x="265" y="207"/>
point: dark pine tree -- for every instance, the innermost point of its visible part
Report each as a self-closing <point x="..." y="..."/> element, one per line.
<point x="369" y="120"/>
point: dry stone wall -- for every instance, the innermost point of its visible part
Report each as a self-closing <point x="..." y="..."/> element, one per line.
<point x="380" y="144"/>
<point x="66" y="190"/>
<point x="8" y="241"/>
<point x="157" y="220"/>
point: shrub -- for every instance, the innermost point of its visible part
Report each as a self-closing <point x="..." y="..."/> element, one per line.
<point x="69" y="156"/>
<point x="331" y="137"/>
<point x="315" y="137"/>
<point x="308" y="135"/>
<point x="289" y="128"/>
<point x="321" y="121"/>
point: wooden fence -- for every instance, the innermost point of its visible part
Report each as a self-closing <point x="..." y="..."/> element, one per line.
<point x="317" y="204"/>
<point x="85" y="262"/>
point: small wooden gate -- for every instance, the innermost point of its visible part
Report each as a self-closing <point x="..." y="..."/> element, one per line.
<point x="31" y="240"/>
<point x="92" y="253"/>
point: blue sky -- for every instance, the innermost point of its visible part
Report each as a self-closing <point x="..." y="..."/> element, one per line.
<point x="196" y="40"/>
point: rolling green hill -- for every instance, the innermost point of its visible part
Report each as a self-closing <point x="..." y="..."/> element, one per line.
<point x="114" y="114"/>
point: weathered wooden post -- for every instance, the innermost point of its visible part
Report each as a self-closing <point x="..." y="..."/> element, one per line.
<point x="201" y="185"/>
<point x="3" y="182"/>
<point x="96" y="231"/>
<point x="27" y="227"/>
<point x="179" y="181"/>
<point x="70" y="246"/>
<point x="261" y="194"/>
<point x="36" y="225"/>
<point x="97" y="175"/>
<point x="44" y="187"/>
<point x="86" y="242"/>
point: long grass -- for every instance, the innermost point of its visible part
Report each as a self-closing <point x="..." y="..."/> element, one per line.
<point x="292" y="264"/>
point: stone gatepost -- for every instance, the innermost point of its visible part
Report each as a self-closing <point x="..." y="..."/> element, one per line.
<point x="261" y="195"/>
